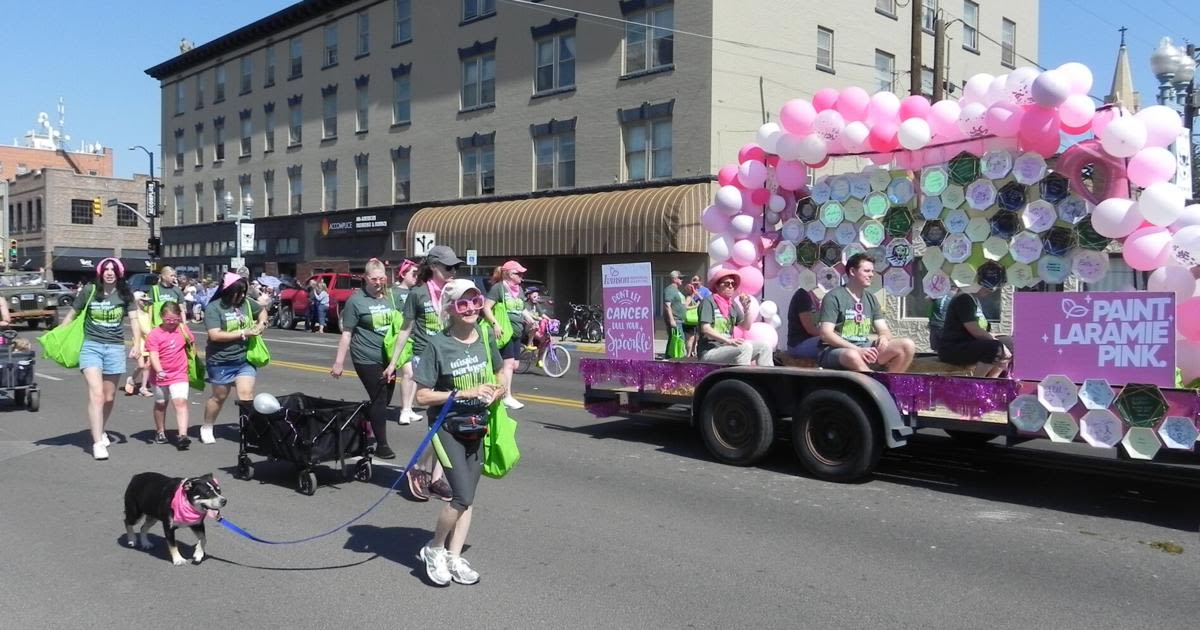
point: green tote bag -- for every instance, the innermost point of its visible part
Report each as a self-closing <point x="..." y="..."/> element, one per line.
<point x="63" y="344"/>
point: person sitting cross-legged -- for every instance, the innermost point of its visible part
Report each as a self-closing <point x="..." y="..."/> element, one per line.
<point x="849" y="314"/>
<point x="719" y="314"/>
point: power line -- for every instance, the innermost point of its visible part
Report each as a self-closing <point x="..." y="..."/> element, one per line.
<point x="1109" y="22"/>
<point x="1181" y="11"/>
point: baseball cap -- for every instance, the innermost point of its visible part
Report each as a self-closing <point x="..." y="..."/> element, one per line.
<point x="443" y="255"/>
<point x="676" y="274"/>
<point x="139" y="296"/>
<point x="513" y="265"/>
<point x="455" y="289"/>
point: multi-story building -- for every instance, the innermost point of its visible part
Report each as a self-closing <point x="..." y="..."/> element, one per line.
<point x="51" y="217"/>
<point x="567" y="134"/>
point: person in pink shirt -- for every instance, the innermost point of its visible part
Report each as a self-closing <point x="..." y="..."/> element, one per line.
<point x="167" y="346"/>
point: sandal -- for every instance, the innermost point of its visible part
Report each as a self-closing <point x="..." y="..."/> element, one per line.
<point x="145" y="392"/>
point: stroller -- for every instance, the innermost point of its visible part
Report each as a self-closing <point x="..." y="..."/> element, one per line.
<point x="16" y="373"/>
<point x="306" y="431"/>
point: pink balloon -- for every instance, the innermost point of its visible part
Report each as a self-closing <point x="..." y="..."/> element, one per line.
<point x="796" y="116"/>
<point x="1103" y="117"/>
<point x="1004" y="119"/>
<point x="1045" y="146"/>
<point x="743" y="252"/>
<point x="1148" y="248"/>
<point x="883" y="136"/>
<point x="752" y="279"/>
<point x="915" y="106"/>
<point x="714" y="219"/>
<point x="1077" y="111"/>
<point x="943" y="118"/>
<point x="791" y="174"/>
<point x="825" y="98"/>
<point x="753" y="174"/>
<point x="884" y="107"/>
<point x="749" y="206"/>
<point x="1163" y="125"/>
<point x="765" y="333"/>
<point x="760" y="196"/>
<point x="728" y="175"/>
<point x="1187" y="319"/>
<point x="880" y="159"/>
<point x="1116" y="218"/>
<point x="852" y="103"/>
<point x="1187" y="358"/>
<point x="1038" y="123"/>
<point x="772" y="160"/>
<point x="1151" y="165"/>
<point x="751" y="151"/>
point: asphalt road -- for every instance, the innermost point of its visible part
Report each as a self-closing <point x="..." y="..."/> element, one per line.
<point x="606" y="523"/>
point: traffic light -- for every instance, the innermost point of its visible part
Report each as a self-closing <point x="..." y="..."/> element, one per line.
<point x="154" y="247"/>
<point x="12" y="248"/>
<point x="97" y="207"/>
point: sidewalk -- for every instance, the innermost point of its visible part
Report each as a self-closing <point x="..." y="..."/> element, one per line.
<point x="660" y="347"/>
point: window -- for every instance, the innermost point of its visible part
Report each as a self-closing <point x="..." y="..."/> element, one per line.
<point x="478" y="170"/>
<point x="179" y="205"/>
<point x="199" y="203"/>
<point x="475" y="9"/>
<point x="824" y="48"/>
<point x="886" y="7"/>
<point x="219" y="139"/>
<point x="199" y="90"/>
<point x="180" y="94"/>
<point x="554" y="161"/>
<point x="364" y="33"/>
<point x="970" y="22"/>
<point x="331" y="45"/>
<point x="885" y="71"/>
<point x="247" y="133"/>
<point x="401" y="100"/>
<point x="401" y="175"/>
<point x="555" y="63"/>
<point x="361" y="184"/>
<point x="125" y="217"/>
<point x="199" y="145"/>
<point x="1008" y="43"/>
<point x="269" y="128"/>
<point x="295" y="127"/>
<point x="269" y="78"/>
<point x="329" y="109"/>
<point x="479" y="81"/>
<point x="180" y="149"/>
<point x="269" y="193"/>
<point x="929" y="9"/>
<point x="402" y="21"/>
<point x="245" y="189"/>
<point x="650" y="40"/>
<point x="295" y="190"/>
<point x="295" y="50"/>
<point x="362" y="107"/>
<point x="219" y="200"/>
<point x="329" y="185"/>
<point x="38" y="217"/>
<point x="290" y="245"/>
<point x="247" y="74"/>
<point x="647" y="149"/>
<point x="927" y="82"/>
<point x="219" y="84"/>
<point x="81" y="211"/>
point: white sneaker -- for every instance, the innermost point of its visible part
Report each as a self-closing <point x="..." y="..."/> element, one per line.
<point x="104" y="440"/>
<point x="404" y="418"/>
<point x="436" y="564"/>
<point x="461" y="571"/>
<point x="206" y="434"/>
<point x="99" y="451"/>
<point x="513" y="403"/>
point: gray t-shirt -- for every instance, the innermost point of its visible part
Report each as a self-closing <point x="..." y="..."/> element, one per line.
<point x="672" y="296"/>
<point x="401" y="293"/>
<point x="367" y="318"/>
<point x="426" y="321"/>
<point x="514" y="305"/>
<point x="103" y="316"/>
<point x="840" y="308"/>
<point x="710" y="314"/>
<point x="448" y="364"/>
<point x="224" y="317"/>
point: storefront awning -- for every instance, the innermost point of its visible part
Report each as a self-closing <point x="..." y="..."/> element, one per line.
<point x="646" y="220"/>
<point x="78" y="258"/>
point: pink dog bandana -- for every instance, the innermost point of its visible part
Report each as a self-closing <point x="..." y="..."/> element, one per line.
<point x="184" y="513"/>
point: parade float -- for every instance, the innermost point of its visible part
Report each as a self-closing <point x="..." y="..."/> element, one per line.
<point x="1022" y="181"/>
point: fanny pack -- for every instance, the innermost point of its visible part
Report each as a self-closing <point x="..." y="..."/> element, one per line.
<point x="467" y="420"/>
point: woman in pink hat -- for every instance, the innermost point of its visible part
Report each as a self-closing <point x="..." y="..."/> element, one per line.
<point x="719" y="314"/>
<point x="507" y="291"/>
<point x="104" y="305"/>
<point x="230" y="319"/>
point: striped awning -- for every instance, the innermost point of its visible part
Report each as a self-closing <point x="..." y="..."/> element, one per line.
<point x="646" y="220"/>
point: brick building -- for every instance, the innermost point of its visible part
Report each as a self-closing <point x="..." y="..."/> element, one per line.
<point x="16" y="161"/>
<point x="50" y="216"/>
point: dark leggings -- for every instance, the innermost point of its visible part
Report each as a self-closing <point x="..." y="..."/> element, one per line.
<point x="466" y="465"/>
<point x="371" y="374"/>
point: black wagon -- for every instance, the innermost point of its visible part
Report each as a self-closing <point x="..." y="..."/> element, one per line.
<point x="17" y="381"/>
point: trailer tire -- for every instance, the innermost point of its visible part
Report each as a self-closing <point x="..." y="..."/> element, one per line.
<point x="835" y="438"/>
<point x="736" y="424"/>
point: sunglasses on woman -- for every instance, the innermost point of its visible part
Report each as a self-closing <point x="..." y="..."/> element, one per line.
<point x="727" y="283"/>
<point x="466" y="305"/>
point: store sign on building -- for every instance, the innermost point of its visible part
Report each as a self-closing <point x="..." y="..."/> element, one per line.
<point x="354" y="225"/>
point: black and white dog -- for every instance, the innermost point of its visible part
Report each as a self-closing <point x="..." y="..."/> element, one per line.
<point x="174" y="501"/>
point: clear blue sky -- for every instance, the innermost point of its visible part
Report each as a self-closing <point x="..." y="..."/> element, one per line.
<point x="93" y="54"/>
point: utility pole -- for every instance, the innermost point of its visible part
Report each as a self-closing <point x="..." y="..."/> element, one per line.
<point x="914" y="63"/>
<point x="939" y="59"/>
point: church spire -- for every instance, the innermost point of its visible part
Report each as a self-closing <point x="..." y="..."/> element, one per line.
<point x="1122" y="92"/>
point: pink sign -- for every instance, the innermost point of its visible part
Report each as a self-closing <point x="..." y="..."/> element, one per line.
<point x="1120" y="337"/>
<point x="628" y="311"/>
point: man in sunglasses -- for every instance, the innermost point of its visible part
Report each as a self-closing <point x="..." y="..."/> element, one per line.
<point x="849" y="315"/>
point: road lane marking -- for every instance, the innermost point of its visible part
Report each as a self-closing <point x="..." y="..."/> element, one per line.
<point x="332" y="346"/>
<point x="53" y="378"/>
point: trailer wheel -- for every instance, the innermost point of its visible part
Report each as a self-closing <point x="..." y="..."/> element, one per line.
<point x="834" y="437"/>
<point x="736" y="424"/>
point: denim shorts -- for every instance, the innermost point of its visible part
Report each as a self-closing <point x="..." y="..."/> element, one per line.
<point x="108" y="357"/>
<point x="226" y="373"/>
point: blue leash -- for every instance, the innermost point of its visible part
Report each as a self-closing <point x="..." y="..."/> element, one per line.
<point x="233" y="527"/>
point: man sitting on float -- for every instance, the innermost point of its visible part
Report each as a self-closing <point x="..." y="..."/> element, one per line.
<point x="849" y="314"/>
<point x="966" y="339"/>
<point x="719" y="314"/>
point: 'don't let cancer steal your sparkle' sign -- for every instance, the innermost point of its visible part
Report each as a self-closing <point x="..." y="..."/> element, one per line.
<point x="628" y="311"/>
<point x="1120" y="337"/>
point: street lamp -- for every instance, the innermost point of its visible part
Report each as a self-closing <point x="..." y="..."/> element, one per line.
<point x="1165" y="63"/>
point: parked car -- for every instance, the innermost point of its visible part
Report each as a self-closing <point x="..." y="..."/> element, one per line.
<point x="62" y="293"/>
<point x="28" y="300"/>
<point x="293" y="300"/>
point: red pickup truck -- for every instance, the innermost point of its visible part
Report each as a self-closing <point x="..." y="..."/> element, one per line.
<point x="293" y="301"/>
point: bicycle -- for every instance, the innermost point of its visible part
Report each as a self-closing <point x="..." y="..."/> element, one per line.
<point x="557" y="359"/>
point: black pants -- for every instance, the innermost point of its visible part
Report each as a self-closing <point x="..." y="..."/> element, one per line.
<point x="371" y="374"/>
<point x="466" y="465"/>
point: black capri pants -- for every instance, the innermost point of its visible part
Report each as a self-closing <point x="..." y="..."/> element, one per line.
<point x="371" y="374"/>
<point x="466" y="465"/>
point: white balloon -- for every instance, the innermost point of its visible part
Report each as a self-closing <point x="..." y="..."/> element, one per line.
<point x="1116" y="217"/>
<point x="976" y="89"/>
<point x="914" y="134"/>
<point x="768" y="136"/>
<point x="997" y="91"/>
<point x="777" y="203"/>
<point x="829" y="125"/>
<point x="768" y="309"/>
<point x="1185" y="245"/>
<point x="720" y="248"/>
<point x="1019" y="85"/>
<point x="729" y="199"/>
<point x="266" y="404"/>
<point x="1163" y="125"/>
<point x="971" y="121"/>
<point x="854" y="137"/>
<point x="1190" y="216"/>
<point x="1123" y="137"/>
<point x="1173" y="279"/>
<point x="1162" y="203"/>
<point x="753" y="174"/>
<point x="776" y="320"/>
<point x="789" y="146"/>
<point x="813" y="149"/>
<point x="742" y="225"/>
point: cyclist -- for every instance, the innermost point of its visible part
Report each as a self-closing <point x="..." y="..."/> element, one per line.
<point x="536" y="310"/>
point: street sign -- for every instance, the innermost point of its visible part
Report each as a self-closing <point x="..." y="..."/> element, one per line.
<point x="423" y="242"/>
<point x="247" y="236"/>
<point x="151" y="197"/>
<point x="236" y="263"/>
<point x="472" y="257"/>
<point x="112" y="203"/>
